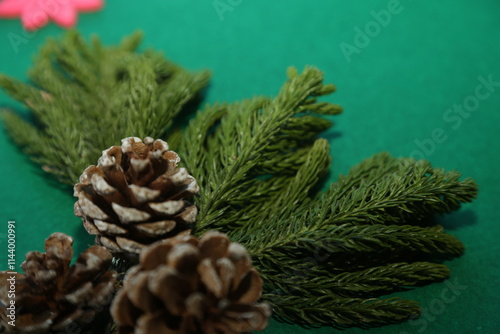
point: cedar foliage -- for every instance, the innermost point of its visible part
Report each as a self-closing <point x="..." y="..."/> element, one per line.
<point x="325" y="259"/>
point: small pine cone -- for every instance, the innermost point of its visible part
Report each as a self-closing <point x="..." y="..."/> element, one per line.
<point x="53" y="296"/>
<point x="135" y="196"/>
<point x="185" y="285"/>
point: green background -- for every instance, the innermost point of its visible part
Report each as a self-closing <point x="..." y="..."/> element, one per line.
<point x="395" y="90"/>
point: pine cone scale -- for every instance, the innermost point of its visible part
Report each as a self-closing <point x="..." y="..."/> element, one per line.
<point x="168" y="207"/>
<point x="128" y="245"/>
<point x="255" y="318"/>
<point x="100" y="185"/>
<point x="100" y="226"/>
<point x="129" y="215"/>
<point x="36" y="323"/>
<point x="110" y="244"/>
<point x="83" y="292"/>
<point x="210" y="277"/>
<point x="152" y="323"/>
<point x="124" y="311"/>
<point x="141" y="297"/>
<point x="170" y="288"/>
<point x="89" y="209"/>
<point x="188" y="215"/>
<point x="59" y="248"/>
<point x="103" y="289"/>
<point x="250" y="288"/>
<point x="143" y="194"/>
<point x="157" y="228"/>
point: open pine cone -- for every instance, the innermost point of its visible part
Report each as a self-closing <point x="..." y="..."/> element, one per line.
<point x="185" y="285"/>
<point x="54" y="296"/>
<point x="135" y="196"/>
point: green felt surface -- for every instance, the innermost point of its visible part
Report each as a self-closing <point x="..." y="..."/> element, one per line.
<point x="396" y="89"/>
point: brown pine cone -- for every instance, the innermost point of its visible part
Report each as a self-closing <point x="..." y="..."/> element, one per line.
<point x="54" y="296"/>
<point x="135" y="196"/>
<point x="186" y="285"/>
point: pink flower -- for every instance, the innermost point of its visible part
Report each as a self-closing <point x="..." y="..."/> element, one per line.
<point x="36" y="13"/>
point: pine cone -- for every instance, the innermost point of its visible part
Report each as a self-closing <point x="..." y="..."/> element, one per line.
<point x="54" y="296"/>
<point x="135" y="196"/>
<point x="186" y="285"/>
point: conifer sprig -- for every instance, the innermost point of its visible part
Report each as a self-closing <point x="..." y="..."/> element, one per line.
<point x="386" y="190"/>
<point x="379" y="215"/>
<point x="85" y="98"/>
<point x="356" y="240"/>
<point x="240" y="151"/>
<point x="342" y="312"/>
<point x="371" y="282"/>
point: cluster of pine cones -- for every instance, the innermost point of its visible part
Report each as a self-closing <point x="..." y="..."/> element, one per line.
<point x="136" y="203"/>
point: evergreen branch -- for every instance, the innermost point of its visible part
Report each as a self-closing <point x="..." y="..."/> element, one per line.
<point x="285" y="192"/>
<point x="371" y="282"/>
<point x="377" y="166"/>
<point x="356" y="241"/>
<point x="401" y="191"/>
<point x="194" y="144"/>
<point x="382" y="190"/>
<point x="255" y="141"/>
<point x="341" y="312"/>
<point x="18" y="127"/>
<point x="390" y="278"/>
<point x="256" y="183"/>
<point x="86" y="97"/>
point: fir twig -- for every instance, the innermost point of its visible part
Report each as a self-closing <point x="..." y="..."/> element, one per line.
<point x="342" y="312"/>
<point x="359" y="242"/>
<point x="386" y="190"/>
<point x="236" y="150"/>
<point x="258" y="191"/>
<point x="85" y="98"/>
<point x="371" y="282"/>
